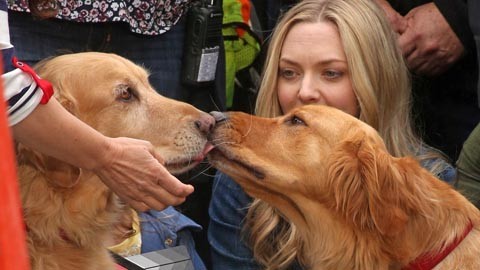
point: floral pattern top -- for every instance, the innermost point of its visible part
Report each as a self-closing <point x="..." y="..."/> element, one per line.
<point x="147" y="17"/>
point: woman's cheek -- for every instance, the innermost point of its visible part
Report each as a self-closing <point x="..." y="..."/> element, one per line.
<point x="286" y="99"/>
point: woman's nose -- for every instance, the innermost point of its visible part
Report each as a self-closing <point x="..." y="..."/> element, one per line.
<point x="309" y="90"/>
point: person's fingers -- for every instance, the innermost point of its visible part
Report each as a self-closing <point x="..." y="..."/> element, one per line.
<point x="406" y="43"/>
<point x="428" y="62"/>
<point x="128" y="196"/>
<point x="430" y="69"/>
<point x="152" y="203"/>
<point x="396" y="20"/>
<point x="414" y="60"/>
<point x="168" y="181"/>
<point x="138" y="177"/>
<point x="159" y="198"/>
<point x="172" y="185"/>
<point x="156" y="155"/>
<point x="163" y="179"/>
<point x="399" y="23"/>
<point x="421" y="69"/>
<point x="149" y="196"/>
<point x="137" y="205"/>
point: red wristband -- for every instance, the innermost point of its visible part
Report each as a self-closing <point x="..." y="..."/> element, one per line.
<point x="45" y="85"/>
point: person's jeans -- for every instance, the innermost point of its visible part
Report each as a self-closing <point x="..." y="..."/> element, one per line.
<point x="228" y="209"/>
<point x="227" y="238"/>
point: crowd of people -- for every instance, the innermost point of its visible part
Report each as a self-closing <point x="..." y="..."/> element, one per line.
<point x="407" y="68"/>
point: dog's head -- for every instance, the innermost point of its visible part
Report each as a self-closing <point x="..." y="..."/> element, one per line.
<point x="68" y="210"/>
<point x="315" y="158"/>
<point x="113" y="95"/>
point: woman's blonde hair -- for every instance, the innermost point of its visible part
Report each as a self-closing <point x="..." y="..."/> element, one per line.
<point x="381" y="83"/>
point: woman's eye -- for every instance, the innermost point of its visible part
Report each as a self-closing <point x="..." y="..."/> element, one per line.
<point x="287" y="73"/>
<point x="332" y="74"/>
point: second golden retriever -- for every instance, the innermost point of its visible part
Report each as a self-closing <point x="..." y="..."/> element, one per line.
<point x="355" y="206"/>
<point x="69" y="213"/>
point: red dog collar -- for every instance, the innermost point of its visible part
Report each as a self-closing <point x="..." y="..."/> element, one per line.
<point x="429" y="261"/>
<point x="45" y="85"/>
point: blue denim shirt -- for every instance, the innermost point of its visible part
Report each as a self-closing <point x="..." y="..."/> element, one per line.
<point x="228" y="208"/>
<point x="169" y="228"/>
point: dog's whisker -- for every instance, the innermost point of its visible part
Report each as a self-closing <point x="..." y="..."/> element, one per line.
<point x="214" y="103"/>
<point x="225" y="143"/>
<point x="202" y="172"/>
<point x="214" y="186"/>
<point x="220" y="141"/>
<point x="228" y="124"/>
<point x="209" y="175"/>
<point x="217" y="139"/>
<point x="249" y="128"/>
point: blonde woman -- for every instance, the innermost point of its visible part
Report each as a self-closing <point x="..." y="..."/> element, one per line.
<point x="339" y="53"/>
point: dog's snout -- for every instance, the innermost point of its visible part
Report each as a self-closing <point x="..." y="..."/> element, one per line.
<point x="219" y="116"/>
<point x="205" y="123"/>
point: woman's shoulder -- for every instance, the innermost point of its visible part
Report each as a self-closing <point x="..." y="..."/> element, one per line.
<point x="435" y="162"/>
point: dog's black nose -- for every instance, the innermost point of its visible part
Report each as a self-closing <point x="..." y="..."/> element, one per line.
<point x="205" y="123"/>
<point x="219" y="116"/>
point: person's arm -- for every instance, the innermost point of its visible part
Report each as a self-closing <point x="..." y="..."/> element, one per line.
<point x="130" y="167"/>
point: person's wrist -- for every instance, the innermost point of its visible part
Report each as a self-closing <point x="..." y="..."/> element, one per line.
<point x="105" y="155"/>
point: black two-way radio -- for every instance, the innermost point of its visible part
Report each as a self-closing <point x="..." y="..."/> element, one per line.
<point x="202" y="42"/>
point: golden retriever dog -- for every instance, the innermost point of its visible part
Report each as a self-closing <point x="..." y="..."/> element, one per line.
<point x="356" y="206"/>
<point x="69" y="213"/>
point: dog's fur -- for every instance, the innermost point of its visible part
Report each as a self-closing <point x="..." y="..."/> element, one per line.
<point x="356" y="206"/>
<point x="69" y="212"/>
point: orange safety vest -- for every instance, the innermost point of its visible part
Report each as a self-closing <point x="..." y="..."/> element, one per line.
<point x="13" y="249"/>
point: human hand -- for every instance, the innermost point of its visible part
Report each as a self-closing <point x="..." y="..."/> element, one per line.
<point x="429" y="44"/>
<point x="397" y="21"/>
<point x="134" y="171"/>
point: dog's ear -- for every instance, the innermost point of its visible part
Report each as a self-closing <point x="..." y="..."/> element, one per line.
<point x="365" y="187"/>
<point x="59" y="82"/>
<point x="61" y="174"/>
<point x="56" y="172"/>
<point x="67" y="100"/>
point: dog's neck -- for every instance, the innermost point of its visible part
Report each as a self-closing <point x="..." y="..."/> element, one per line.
<point x="431" y="259"/>
<point x="332" y="243"/>
<point x="46" y="181"/>
<point x="333" y="249"/>
<point x="329" y="245"/>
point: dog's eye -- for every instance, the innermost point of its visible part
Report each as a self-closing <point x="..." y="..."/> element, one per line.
<point x="126" y="94"/>
<point x="295" y="120"/>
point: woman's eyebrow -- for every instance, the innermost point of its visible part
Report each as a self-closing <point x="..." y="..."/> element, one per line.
<point x="287" y="60"/>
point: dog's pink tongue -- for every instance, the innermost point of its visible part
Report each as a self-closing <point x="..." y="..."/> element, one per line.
<point x="203" y="154"/>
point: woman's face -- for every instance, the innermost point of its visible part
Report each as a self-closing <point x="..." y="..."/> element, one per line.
<point x="313" y="69"/>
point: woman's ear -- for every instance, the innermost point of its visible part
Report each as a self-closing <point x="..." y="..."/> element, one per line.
<point x="364" y="183"/>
